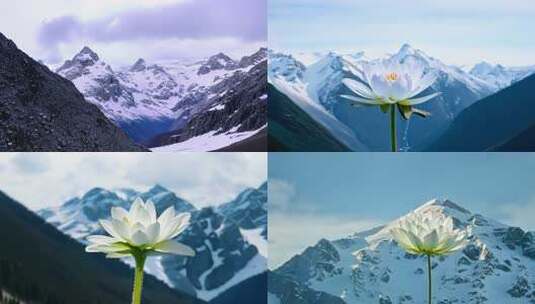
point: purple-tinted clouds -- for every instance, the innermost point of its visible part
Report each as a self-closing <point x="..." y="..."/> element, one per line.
<point x="244" y="20"/>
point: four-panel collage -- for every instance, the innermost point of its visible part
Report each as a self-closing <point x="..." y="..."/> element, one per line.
<point x="267" y="152"/>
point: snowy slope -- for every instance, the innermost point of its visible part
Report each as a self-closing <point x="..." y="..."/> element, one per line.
<point x="228" y="251"/>
<point x="369" y="267"/>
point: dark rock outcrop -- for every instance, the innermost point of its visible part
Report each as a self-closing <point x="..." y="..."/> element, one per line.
<point x="42" y="111"/>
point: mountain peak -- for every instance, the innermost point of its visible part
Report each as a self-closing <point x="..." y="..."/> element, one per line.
<point x="86" y="55"/>
<point x="140" y="65"/>
<point x="158" y="188"/>
<point x="217" y="62"/>
<point x="406" y="50"/>
<point x="95" y="191"/>
<point x="443" y="204"/>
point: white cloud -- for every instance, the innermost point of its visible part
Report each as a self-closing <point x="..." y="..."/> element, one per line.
<point x="281" y="193"/>
<point x="290" y="234"/>
<point x="45" y="179"/>
<point x="519" y="215"/>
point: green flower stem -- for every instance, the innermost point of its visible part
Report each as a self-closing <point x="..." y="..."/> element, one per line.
<point x="138" y="277"/>
<point x="429" y="279"/>
<point x="393" y="140"/>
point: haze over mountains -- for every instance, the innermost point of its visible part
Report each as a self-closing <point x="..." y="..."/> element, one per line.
<point x="316" y="87"/>
<point x="213" y="102"/>
<point x="369" y="267"/>
<point x="230" y="240"/>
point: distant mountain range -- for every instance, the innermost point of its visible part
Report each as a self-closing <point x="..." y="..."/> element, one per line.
<point x="369" y="267"/>
<point x="39" y="264"/>
<point x="316" y="88"/>
<point x="182" y="104"/>
<point x="230" y="240"/>
<point x="42" y="111"/>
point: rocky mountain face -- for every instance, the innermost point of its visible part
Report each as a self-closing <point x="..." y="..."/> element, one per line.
<point x="230" y="249"/>
<point x="317" y="87"/>
<point x="369" y="267"/>
<point x="186" y="96"/>
<point x="41" y="111"/>
<point x="237" y="104"/>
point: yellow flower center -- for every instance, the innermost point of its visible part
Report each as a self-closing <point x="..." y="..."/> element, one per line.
<point x="393" y="76"/>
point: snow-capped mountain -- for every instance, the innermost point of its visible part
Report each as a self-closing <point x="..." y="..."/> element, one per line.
<point x="149" y="99"/>
<point x="369" y="267"/>
<point x="229" y="249"/>
<point x="235" y="109"/>
<point x="499" y="75"/>
<point x="317" y="87"/>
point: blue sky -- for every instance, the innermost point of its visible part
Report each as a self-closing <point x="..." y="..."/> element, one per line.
<point x="456" y="31"/>
<point x="330" y="195"/>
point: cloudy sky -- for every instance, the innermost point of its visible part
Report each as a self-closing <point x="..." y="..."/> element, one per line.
<point x="123" y="30"/>
<point x="49" y="179"/>
<point x="456" y="31"/>
<point x="332" y="195"/>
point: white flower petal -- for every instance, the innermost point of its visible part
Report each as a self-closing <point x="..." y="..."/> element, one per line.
<point x="416" y="101"/>
<point x="108" y="226"/>
<point x="174" y="247"/>
<point x="358" y="88"/>
<point x="362" y="100"/>
<point x="167" y="215"/>
<point x="182" y="223"/>
<point x="137" y="205"/>
<point x="152" y="211"/>
<point x="101" y="239"/>
<point x="139" y="238"/>
<point x="426" y="81"/>
<point x="121" y="228"/>
<point x="116" y="255"/>
<point x="153" y="232"/>
<point x="119" y="213"/>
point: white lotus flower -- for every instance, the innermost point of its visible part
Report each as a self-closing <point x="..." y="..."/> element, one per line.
<point x="425" y="234"/>
<point x="140" y="231"/>
<point x="429" y="235"/>
<point x="389" y="82"/>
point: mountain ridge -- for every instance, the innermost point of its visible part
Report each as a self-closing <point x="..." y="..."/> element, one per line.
<point x="372" y="268"/>
<point x="148" y="100"/>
